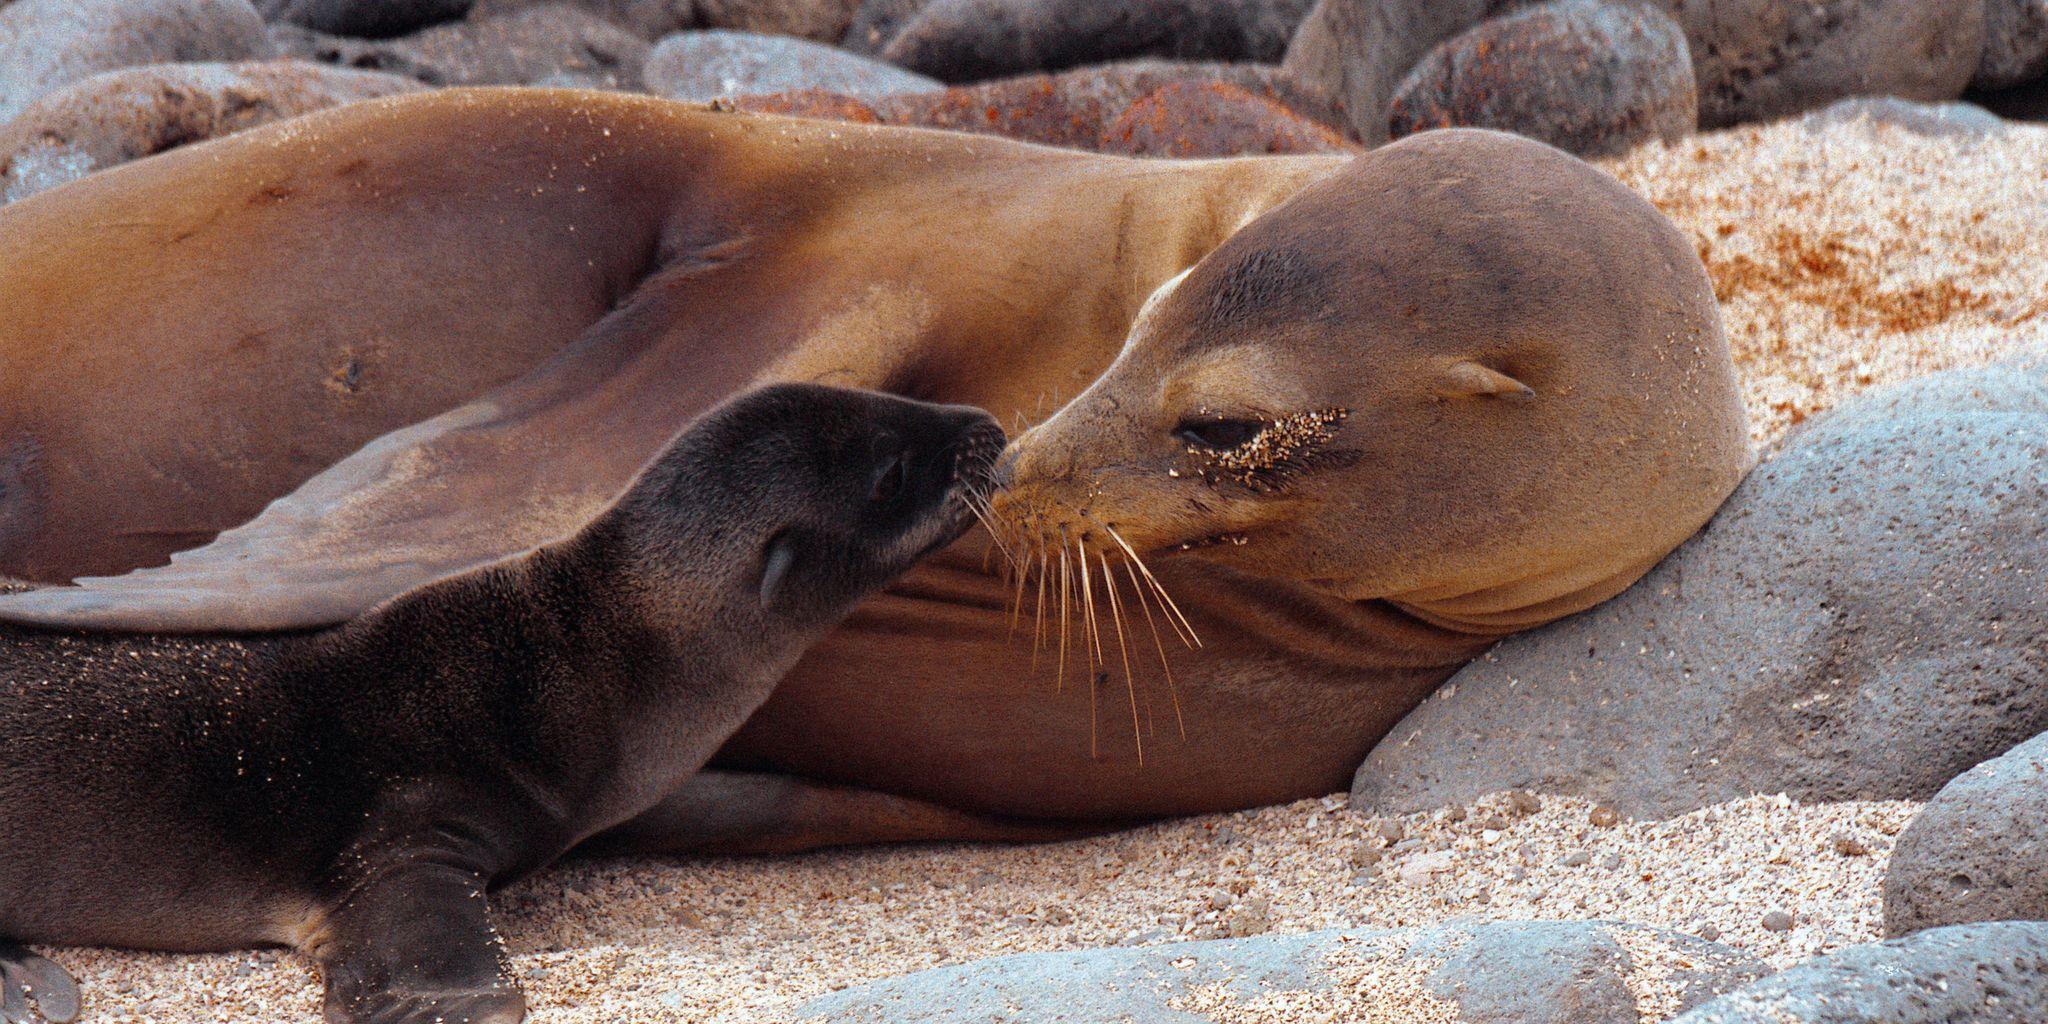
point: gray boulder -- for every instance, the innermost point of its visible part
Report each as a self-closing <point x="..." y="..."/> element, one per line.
<point x="1538" y="972"/>
<point x="1978" y="851"/>
<point x="2015" y="43"/>
<point x="373" y="18"/>
<point x="975" y="40"/>
<point x="552" y="45"/>
<point x="1591" y="77"/>
<point x="50" y="44"/>
<point x="1864" y="619"/>
<point x="1971" y="974"/>
<point x="1954" y="120"/>
<point x="125" y="115"/>
<point x="705" y="65"/>
<point x="1354" y="53"/>
<point x="820" y="20"/>
<point x="1761" y="59"/>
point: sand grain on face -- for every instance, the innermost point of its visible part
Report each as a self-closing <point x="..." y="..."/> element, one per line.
<point x="1844" y="259"/>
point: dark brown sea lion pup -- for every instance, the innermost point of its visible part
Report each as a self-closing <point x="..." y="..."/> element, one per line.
<point x="353" y="792"/>
<point x="599" y="267"/>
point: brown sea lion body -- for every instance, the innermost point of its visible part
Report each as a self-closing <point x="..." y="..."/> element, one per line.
<point x="611" y="265"/>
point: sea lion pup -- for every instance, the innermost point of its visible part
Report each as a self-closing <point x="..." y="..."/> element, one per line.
<point x="353" y="792"/>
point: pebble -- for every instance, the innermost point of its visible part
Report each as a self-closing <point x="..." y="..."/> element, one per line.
<point x="1576" y="859"/>
<point x="1777" y="921"/>
<point x="1603" y="816"/>
<point x="1849" y="846"/>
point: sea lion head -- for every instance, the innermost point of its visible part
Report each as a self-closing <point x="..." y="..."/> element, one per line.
<point x="1466" y="373"/>
<point x="794" y="501"/>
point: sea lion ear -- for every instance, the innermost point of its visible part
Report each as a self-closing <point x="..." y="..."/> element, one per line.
<point x="1468" y="378"/>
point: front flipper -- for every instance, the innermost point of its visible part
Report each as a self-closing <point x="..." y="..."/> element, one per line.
<point x="414" y="945"/>
<point x="26" y="979"/>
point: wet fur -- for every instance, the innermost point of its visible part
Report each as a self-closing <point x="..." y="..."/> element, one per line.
<point x="352" y="791"/>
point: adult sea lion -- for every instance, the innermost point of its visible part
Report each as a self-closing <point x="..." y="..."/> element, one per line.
<point x="352" y="792"/>
<point x="651" y="257"/>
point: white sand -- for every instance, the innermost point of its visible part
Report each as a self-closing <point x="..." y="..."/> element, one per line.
<point x="1845" y="259"/>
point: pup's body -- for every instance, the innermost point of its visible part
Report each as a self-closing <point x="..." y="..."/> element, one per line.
<point x="353" y="792"/>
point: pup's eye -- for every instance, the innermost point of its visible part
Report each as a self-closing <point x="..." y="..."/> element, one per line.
<point x="1218" y="434"/>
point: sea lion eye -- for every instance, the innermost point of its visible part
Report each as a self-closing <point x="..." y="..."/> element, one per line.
<point x="1218" y="434"/>
<point x="888" y="481"/>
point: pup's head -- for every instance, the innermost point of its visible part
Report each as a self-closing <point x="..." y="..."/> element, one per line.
<point x="789" y="504"/>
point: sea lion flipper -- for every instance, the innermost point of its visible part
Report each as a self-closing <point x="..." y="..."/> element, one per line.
<point x="413" y="945"/>
<point x="25" y="976"/>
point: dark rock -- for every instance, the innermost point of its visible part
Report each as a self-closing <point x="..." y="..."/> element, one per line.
<point x="554" y="45"/>
<point x="1203" y="119"/>
<point x="1864" y="619"/>
<point x="1939" y="120"/>
<point x="377" y="19"/>
<point x="974" y="40"/>
<point x="1760" y="59"/>
<point x="1353" y="53"/>
<point x="1972" y="974"/>
<point x="50" y="44"/>
<point x="2015" y="44"/>
<point x="704" y="65"/>
<point x="1591" y="77"/>
<point x="125" y="115"/>
<point x="1086" y="109"/>
<point x="818" y="20"/>
<point x="1978" y="851"/>
<point x="877" y="22"/>
<point x="1540" y="972"/>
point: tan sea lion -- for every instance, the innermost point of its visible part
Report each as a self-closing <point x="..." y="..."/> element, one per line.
<point x="354" y="792"/>
<point x="609" y="265"/>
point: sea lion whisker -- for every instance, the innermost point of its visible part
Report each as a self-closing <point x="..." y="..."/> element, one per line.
<point x="1159" y="645"/>
<point x="1186" y="628"/>
<point x="1123" y="650"/>
<point x="1089" y="625"/>
<point x="1038" y="617"/>
<point x="1060" y="681"/>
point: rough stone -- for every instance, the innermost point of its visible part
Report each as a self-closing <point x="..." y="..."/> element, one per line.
<point x="1937" y="120"/>
<point x="1978" y="851"/>
<point x="555" y="45"/>
<point x="1204" y="119"/>
<point x="50" y="44"/>
<point x="125" y="115"/>
<point x="1864" y="619"/>
<point x="1592" y="77"/>
<point x="1354" y="53"/>
<point x="1970" y="974"/>
<point x="1540" y="972"/>
<point x="818" y="20"/>
<point x="709" y="64"/>
<point x="2015" y="44"/>
<point x="371" y="18"/>
<point x="975" y="40"/>
<point x="1761" y="59"/>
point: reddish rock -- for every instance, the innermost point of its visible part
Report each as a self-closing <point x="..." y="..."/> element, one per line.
<point x="125" y="115"/>
<point x="818" y="103"/>
<point x="1201" y="119"/>
<point x="1587" y="76"/>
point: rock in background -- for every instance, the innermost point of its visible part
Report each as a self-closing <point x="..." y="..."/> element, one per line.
<point x="1087" y="109"/>
<point x="1864" y="619"/>
<point x="1760" y="59"/>
<point x="704" y="65"/>
<point x="48" y="44"/>
<point x="1353" y="53"/>
<point x="1538" y="972"/>
<point x="1972" y="974"/>
<point x="1587" y="76"/>
<point x="818" y="20"/>
<point x="375" y="19"/>
<point x="552" y="44"/>
<point x="119" y="116"/>
<point x="1978" y="851"/>
<point x="973" y="40"/>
